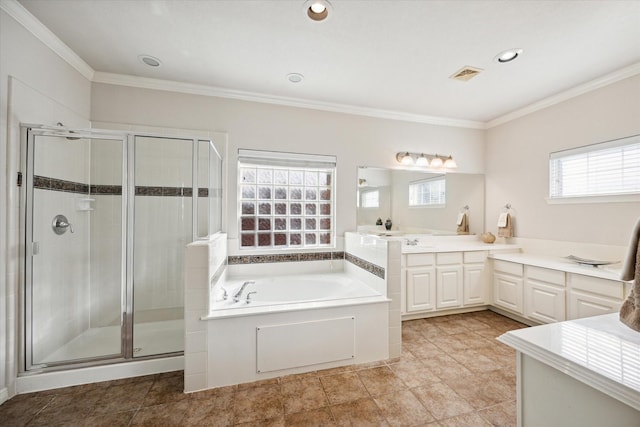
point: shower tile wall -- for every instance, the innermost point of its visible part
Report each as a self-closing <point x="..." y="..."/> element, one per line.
<point x="61" y="269"/>
<point x="162" y="223"/>
<point x="106" y="232"/>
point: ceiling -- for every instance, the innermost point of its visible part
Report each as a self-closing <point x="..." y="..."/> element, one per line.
<point x="392" y="56"/>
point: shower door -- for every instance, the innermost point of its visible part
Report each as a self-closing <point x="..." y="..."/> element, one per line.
<point x="163" y="220"/>
<point x="74" y="265"/>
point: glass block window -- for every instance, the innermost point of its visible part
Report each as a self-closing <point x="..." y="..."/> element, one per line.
<point x="428" y="192"/>
<point x="604" y="169"/>
<point x="286" y="200"/>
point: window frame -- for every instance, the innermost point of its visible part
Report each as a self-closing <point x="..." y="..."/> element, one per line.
<point x="362" y="198"/>
<point x="429" y="180"/>
<point x="312" y="212"/>
<point x="592" y="149"/>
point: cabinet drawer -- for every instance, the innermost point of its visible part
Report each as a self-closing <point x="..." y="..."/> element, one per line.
<point x="446" y="258"/>
<point x="604" y="287"/>
<point x="555" y="277"/>
<point x="507" y="267"/>
<point x="475" y="256"/>
<point x="414" y="260"/>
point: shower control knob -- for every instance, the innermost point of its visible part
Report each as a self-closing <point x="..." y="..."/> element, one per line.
<point x="60" y="224"/>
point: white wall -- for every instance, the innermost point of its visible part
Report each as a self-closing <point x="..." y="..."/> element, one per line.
<point x="36" y="86"/>
<point x="355" y="140"/>
<point x="517" y="166"/>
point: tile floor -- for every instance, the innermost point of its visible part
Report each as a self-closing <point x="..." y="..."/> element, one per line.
<point x="452" y="372"/>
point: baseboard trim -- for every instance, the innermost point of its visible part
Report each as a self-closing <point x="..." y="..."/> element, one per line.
<point x="4" y="395"/>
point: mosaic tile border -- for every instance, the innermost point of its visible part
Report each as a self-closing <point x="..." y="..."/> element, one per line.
<point x="365" y="265"/>
<point x="290" y="257"/>
<point x="307" y="256"/>
<point x="54" y="184"/>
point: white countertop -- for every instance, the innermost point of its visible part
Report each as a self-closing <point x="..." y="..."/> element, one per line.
<point x="562" y="264"/>
<point x="466" y="246"/>
<point x="599" y="351"/>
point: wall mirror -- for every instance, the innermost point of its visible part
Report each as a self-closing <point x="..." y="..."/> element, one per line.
<point x="418" y="201"/>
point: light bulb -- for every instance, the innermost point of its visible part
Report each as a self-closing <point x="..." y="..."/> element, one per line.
<point x="407" y="159"/>
<point x="422" y="161"/>
<point x="318" y="7"/>
<point x="450" y="163"/>
<point x="436" y="162"/>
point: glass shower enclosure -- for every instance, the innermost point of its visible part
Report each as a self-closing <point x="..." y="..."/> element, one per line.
<point x="106" y="216"/>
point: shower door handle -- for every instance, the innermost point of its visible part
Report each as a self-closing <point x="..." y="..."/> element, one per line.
<point x="60" y="224"/>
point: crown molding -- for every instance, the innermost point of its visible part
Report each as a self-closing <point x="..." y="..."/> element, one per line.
<point x="42" y="33"/>
<point x="598" y="83"/>
<point x="195" y="89"/>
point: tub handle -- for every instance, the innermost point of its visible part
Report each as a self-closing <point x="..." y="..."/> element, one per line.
<point x="248" y="300"/>
<point x="225" y="295"/>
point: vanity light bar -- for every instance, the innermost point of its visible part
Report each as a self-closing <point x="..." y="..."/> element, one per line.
<point x="429" y="160"/>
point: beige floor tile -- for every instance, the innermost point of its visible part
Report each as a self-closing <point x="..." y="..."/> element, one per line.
<point x="343" y="387"/>
<point x="504" y="414"/>
<point x="414" y="373"/>
<point x="473" y="340"/>
<point x="425" y="349"/>
<point x="166" y="415"/>
<point x="475" y="361"/>
<point x="466" y="420"/>
<point x="363" y="412"/>
<point x="442" y="401"/>
<point x="214" y="412"/>
<point x="453" y="327"/>
<point x="119" y="419"/>
<point x="482" y="390"/>
<point x="403" y="409"/>
<point x="303" y="395"/>
<point x="445" y="367"/>
<point x="315" y="418"/>
<point x="123" y="397"/>
<point x="258" y="403"/>
<point x="380" y="380"/>
<point x="164" y="390"/>
<point x="449" y="343"/>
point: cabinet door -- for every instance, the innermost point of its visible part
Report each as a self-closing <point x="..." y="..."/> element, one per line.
<point x="507" y="292"/>
<point x="474" y="290"/>
<point x="544" y="302"/>
<point x="421" y="289"/>
<point x="581" y="304"/>
<point x="449" y="286"/>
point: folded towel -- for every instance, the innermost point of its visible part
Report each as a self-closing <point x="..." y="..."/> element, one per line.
<point x="629" y="269"/>
<point x="630" y="310"/>
<point x="463" y="223"/>
<point x="502" y="219"/>
<point x="505" y="225"/>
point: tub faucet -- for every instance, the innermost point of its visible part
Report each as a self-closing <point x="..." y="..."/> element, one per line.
<point x="413" y="242"/>
<point x="236" y="295"/>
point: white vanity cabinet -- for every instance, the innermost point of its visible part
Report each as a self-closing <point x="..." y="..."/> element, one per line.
<point x="474" y="281"/>
<point x="448" y="280"/>
<point x="443" y="280"/>
<point x="592" y="296"/>
<point x="544" y="294"/>
<point x="420" y="283"/>
<point x="508" y="286"/>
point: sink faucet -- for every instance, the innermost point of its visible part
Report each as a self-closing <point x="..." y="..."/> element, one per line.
<point x="236" y="295"/>
<point x="413" y="242"/>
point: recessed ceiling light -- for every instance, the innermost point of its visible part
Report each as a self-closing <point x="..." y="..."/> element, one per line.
<point x="317" y="10"/>
<point x="295" y="77"/>
<point x="149" y="60"/>
<point x="508" y="55"/>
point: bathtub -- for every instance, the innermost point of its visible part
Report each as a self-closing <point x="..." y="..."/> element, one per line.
<point x="291" y="290"/>
<point x="292" y="324"/>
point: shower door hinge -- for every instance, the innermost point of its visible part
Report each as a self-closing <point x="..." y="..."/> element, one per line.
<point x="19" y="179"/>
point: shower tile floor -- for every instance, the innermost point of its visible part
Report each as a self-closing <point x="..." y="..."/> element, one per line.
<point x="148" y="337"/>
<point x="452" y="372"/>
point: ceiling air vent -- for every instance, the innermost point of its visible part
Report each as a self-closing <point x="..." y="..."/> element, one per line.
<point x="466" y="73"/>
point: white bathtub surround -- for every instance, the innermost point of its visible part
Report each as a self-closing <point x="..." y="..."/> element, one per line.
<point x="204" y="262"/>
<point x="583" y="372"/>
<point x="230" y="343"/>
<point x="384" y="253"/>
